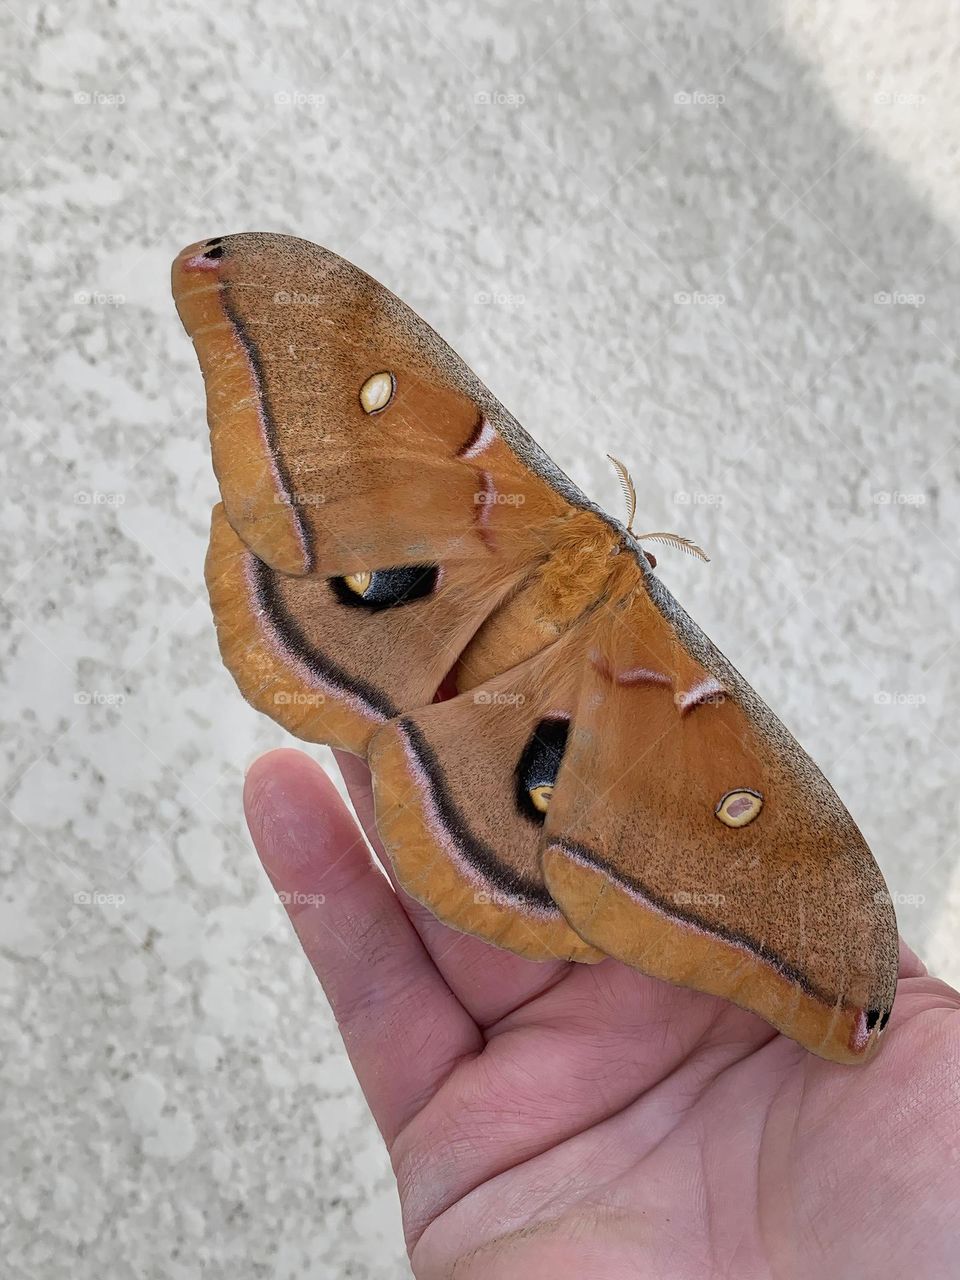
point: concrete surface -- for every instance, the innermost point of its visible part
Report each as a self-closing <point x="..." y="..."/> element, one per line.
<point x="663" y="231"/>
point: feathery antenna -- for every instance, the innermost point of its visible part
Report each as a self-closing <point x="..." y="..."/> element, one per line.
<point x="674" y="540"/>
<point x="629" y="490"/>
<point x="669" y="539"/>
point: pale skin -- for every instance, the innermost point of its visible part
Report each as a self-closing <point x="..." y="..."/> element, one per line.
<point x="550" y="1120"/>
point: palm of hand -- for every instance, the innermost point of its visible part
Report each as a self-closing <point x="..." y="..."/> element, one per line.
<point x="553" y="1120"/>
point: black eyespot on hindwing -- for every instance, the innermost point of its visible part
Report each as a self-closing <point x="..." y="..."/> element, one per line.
<point x="386" y="588"/>
<point x="538" y="766"/>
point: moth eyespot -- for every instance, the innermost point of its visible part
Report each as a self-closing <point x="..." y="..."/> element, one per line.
<point x="538" y="766"/>
<point x="540" y="797"/>
<point x="737" y="808"/>
<point x="377" y="392"/>
<point x="375" y="589"/>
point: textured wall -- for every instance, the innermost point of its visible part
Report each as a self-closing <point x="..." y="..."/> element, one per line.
<point x="659" y="230"/>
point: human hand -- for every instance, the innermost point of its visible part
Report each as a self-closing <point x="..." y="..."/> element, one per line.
<point x="585" y="1121"/>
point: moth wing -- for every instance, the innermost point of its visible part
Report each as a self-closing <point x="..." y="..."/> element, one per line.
<point x="453" y="810"/>
<point x="692" y="837"/>
<point x="326" y="668"/>
<point x="343" y="429"/>
<point x="374" y="512"/>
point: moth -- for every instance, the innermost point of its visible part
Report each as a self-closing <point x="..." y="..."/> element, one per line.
<point x="602" y="782"/>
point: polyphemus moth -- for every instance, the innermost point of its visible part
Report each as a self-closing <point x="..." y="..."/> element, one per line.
<point x="602" y="781"/>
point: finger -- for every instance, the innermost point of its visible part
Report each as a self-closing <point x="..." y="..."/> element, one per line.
<point x="488" y="981"/>
<point x="357" y="777"/>
<point x="403" y="1028"/>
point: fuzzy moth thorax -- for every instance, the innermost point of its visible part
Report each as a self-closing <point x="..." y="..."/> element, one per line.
<point x="581" y="568"/>
<point x="562" y="589"/>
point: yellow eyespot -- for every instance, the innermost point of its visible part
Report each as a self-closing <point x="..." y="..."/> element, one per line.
<point x="377" y="392"/>
<point x="359" y="582"/>
<point x="540" y="797"/>
<point x="737" y="808"/>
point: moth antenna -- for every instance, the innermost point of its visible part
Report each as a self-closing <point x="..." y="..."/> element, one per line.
<point x="674" y="540"/>
<point x="629" y="490"/>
